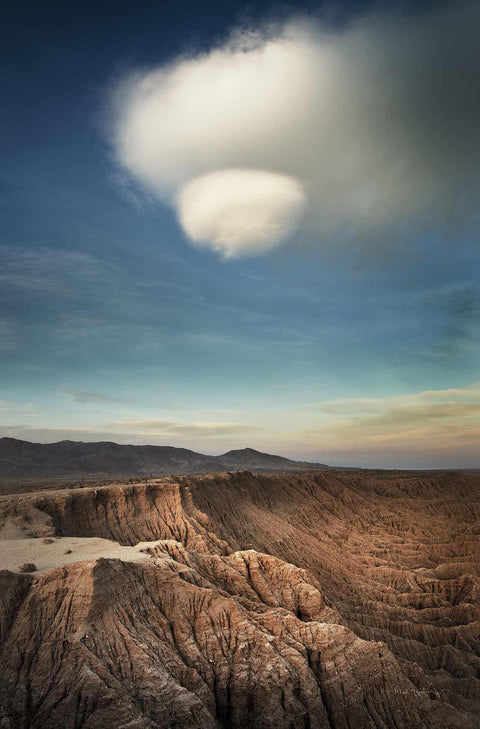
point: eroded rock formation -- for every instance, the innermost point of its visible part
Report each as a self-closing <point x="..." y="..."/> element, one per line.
<point x="336" y="600"/>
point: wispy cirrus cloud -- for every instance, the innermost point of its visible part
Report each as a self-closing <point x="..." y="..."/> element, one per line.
<point x="43" y="268"/>
<point x="83" y="396"/>
<point x="361" y="405"/>
<point x="169" y="428"/>
<point x="52" y="435"/>
<point x="435" y="419"/>
<point x="218" y="435"/>
<point x="18" y="408"/>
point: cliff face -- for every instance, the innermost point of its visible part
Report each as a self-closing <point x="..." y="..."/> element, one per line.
<point x="345" y="601"/>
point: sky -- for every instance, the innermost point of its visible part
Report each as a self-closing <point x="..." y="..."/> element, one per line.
<point x="228" y="225"/>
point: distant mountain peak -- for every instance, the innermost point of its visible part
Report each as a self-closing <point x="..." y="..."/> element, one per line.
<point x="245" y="450"/>
<point x="71" y="459"/>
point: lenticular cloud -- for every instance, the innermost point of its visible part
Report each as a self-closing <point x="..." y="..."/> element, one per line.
<point x="240" y="211"/>
<point x="346" y="134"/>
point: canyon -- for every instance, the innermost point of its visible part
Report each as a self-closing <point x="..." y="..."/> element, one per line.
<point x="313" y="599"/>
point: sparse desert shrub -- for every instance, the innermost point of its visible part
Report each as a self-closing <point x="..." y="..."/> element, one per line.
<point x="47" y="540"/>
<point x="68" y="551"/>
<point x="28" y="567"/>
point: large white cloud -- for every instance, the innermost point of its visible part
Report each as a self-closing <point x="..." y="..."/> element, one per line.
<point x="375" y="127"/>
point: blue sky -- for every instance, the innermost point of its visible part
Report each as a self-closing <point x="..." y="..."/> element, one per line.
<point x="115" y="324"/>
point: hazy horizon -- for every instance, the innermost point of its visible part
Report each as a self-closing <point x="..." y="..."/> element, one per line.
<point x="362" y="463"/>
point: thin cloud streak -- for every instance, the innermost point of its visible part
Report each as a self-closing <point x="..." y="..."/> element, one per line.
<point x="83" y="396"/>
<point x="438" y="422"/>
<point x="45" y="269"/>
<point x="18" y="408"/>
<point x="169" y="428"/>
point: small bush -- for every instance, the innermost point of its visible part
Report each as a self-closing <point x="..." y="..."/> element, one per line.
<point x="28" y="567"/>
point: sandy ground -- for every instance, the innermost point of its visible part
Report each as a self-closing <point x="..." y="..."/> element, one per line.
<point x="27" y="535"/>
<point x="15" y="552"/>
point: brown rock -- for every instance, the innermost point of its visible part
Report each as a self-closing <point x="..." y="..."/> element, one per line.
<point x="340" y="600"/>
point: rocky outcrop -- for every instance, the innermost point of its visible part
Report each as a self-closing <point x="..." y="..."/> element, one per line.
<point x="344" y="601"/>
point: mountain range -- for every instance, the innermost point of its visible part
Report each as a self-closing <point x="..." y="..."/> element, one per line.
<point x="22" y="459"/>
